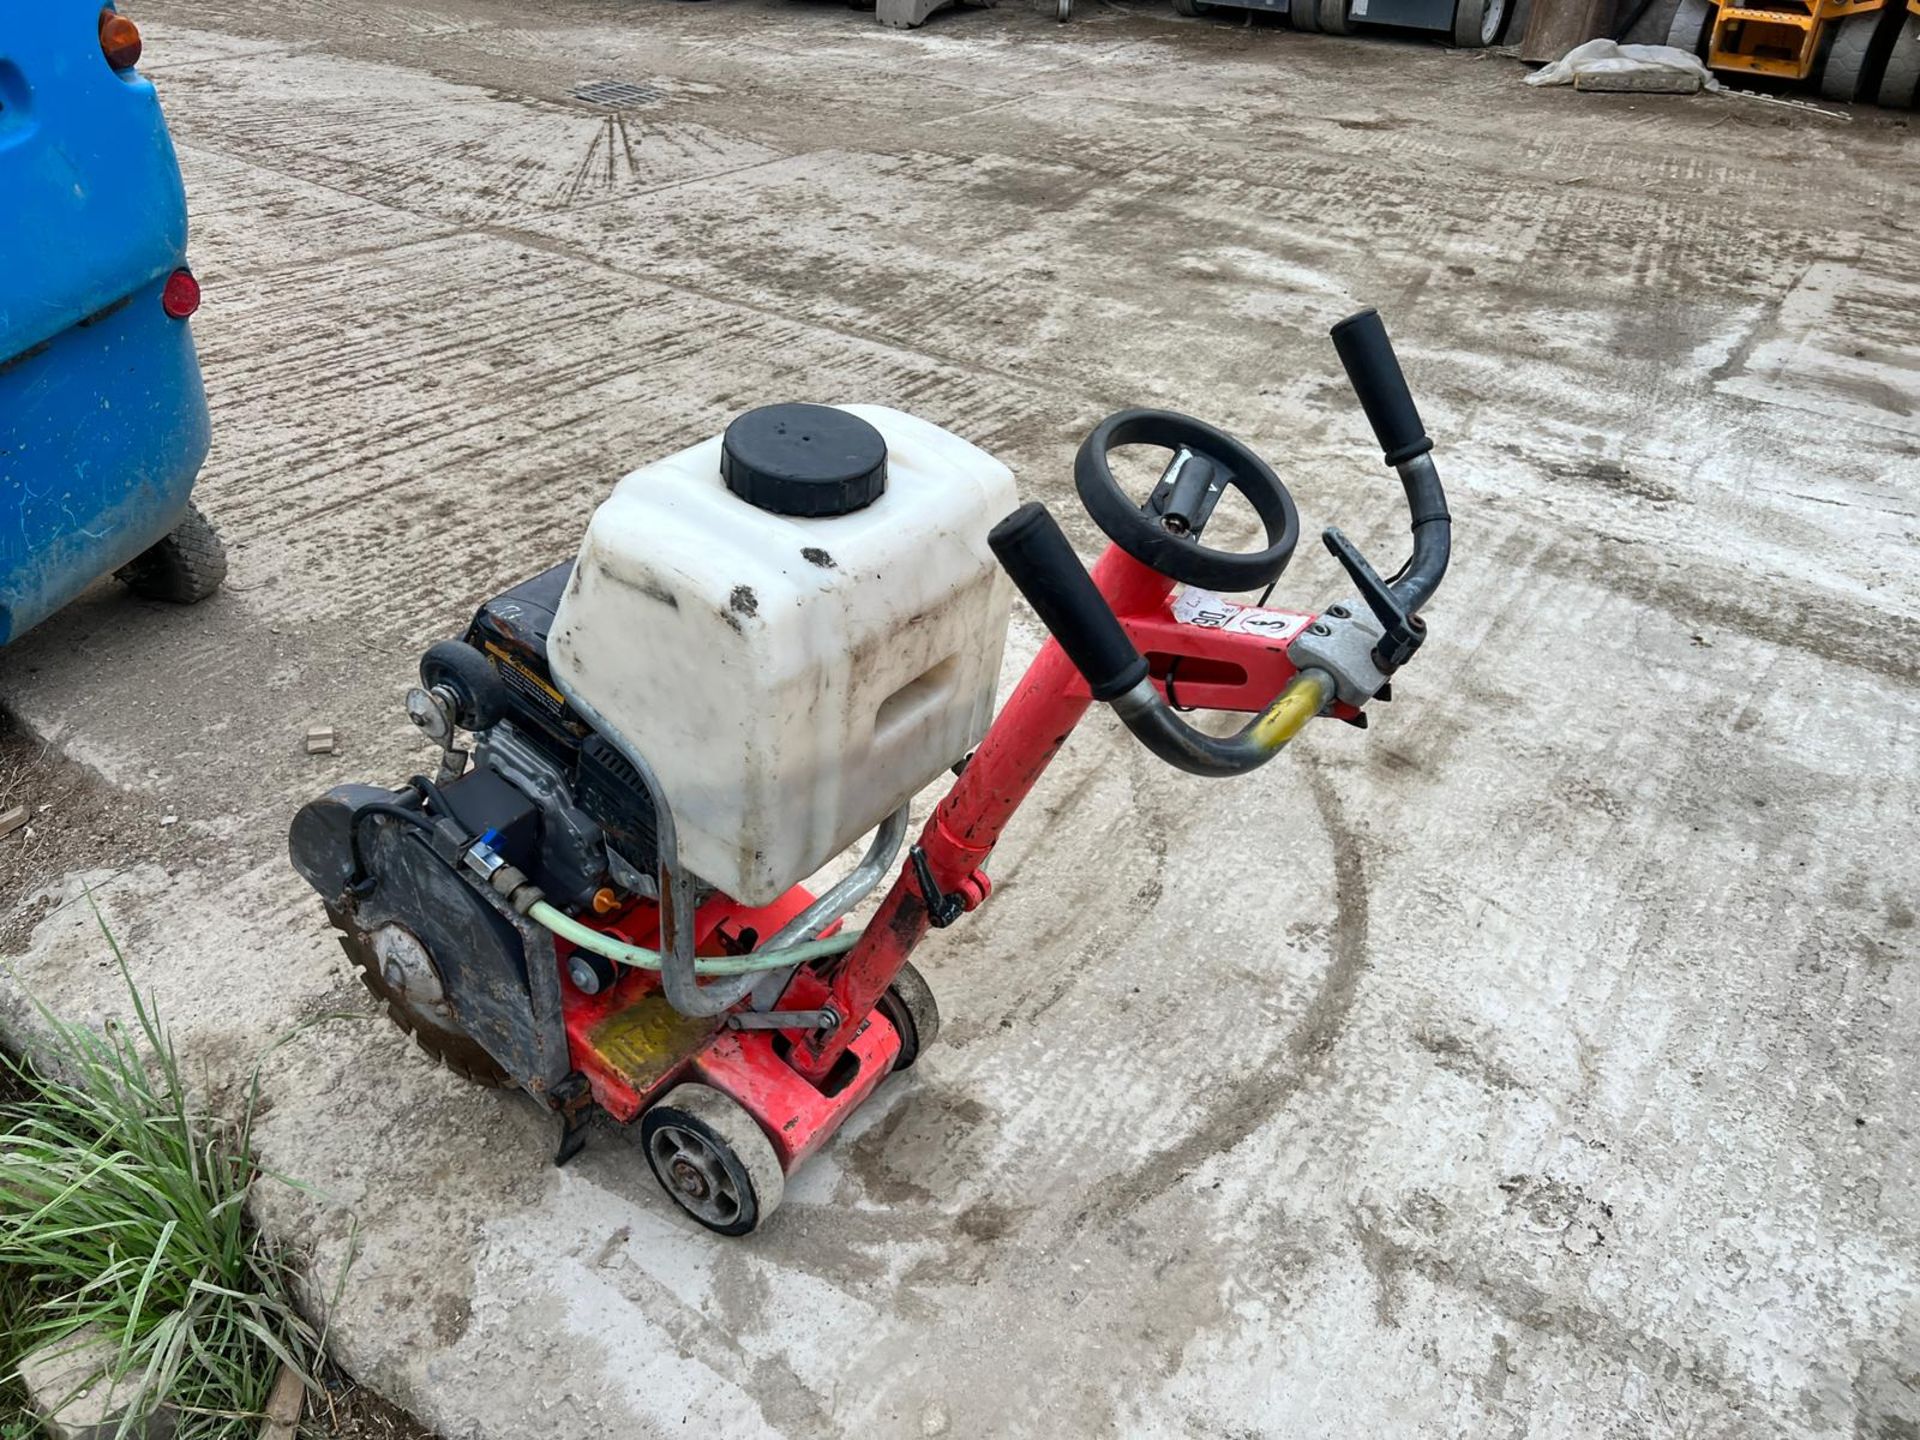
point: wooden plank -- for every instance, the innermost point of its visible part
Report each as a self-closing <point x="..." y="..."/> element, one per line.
<point x="284" y="1406"/>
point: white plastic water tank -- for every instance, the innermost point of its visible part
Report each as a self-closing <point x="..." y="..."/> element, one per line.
<point x="792" y="677"/>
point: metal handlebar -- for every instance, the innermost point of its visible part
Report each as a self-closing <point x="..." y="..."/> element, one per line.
<point x="1030" y="546"/>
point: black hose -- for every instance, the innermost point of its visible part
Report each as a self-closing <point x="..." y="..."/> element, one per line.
<point x="431" y="791"/>
<point x="360" y="816"/>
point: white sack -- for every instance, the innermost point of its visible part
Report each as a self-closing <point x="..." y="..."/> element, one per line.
<point x="1607" y="57"/>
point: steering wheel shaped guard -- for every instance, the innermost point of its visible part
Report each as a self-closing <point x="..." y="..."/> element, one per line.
<point x="1175" y="550"/>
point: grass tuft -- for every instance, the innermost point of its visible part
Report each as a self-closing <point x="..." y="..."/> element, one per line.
<point x="123" y="1206"/>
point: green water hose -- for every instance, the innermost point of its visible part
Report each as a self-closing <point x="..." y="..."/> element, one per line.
<point x="625" y="954"/>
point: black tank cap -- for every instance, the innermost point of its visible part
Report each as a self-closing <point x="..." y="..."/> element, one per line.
<point x="809" y="460"/>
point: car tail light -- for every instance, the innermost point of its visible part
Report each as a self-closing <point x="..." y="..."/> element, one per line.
<point x="119" y="40"/>
<point x="180" y="296"/>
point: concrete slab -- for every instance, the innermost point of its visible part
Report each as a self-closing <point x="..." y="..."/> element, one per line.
<point x="1533" y="1064"/>
<point x="73" y="1397"/>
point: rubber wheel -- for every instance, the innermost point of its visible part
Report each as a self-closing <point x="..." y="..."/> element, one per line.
<point x="1063" y="10"/>
<point x="1303" y="15"/>
<point x="1331" y="16"/>
<point x="909" y="1007"/>
<point x="712" y="1159"/>
<point x="1900" y="82"/>
<point x="1847" y="56"/>
<point x="1478" y="23"/>
<point x="480" y="696"/>
<point x="1691" y="28"/>
<point x="1191" y="8"/>
<point x="184" y="568"/>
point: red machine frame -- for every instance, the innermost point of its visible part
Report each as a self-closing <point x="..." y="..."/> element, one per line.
<point x="630" y="1045"/>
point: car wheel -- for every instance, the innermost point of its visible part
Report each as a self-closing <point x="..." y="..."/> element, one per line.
<point x="1478" y="23"/>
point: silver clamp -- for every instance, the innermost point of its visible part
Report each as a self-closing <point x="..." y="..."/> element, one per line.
<point x="1341" y="642"/>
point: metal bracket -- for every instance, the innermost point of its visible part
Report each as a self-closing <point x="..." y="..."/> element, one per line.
<point x="433" y="711"/>
<point x="852" y="888"/>
<point x="628" y="877"/>
<point x="827" y="1020"/>
<point x="1341" y="642"/>
<point x="942" y="909"/>
<point x="574" y="1100"/>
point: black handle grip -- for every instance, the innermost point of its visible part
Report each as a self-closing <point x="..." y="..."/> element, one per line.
<point x="1374" y="372"/>
<point x="1031" y="547"/>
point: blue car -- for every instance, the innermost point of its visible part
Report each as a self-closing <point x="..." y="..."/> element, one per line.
<point x="103" y="420"/>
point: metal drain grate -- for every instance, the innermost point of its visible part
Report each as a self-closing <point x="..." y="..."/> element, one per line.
<point x="616" y="94"/>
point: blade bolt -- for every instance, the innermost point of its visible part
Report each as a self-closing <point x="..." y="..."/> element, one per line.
<point x="1318" y="629"/>
<point x="1339" y="612"/>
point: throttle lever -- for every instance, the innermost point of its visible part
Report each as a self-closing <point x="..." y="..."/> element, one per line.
<point x="1402" y="633"/>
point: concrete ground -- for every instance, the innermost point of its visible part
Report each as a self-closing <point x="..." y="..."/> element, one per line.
<point x="1541" y="1062"/>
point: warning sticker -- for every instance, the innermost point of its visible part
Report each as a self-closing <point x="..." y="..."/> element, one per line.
<point x="1208" y="611"/>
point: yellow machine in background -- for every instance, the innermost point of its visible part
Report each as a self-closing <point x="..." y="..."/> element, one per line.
<point x="1856" y="49"/>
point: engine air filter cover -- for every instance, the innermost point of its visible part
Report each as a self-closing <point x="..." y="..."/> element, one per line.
<point x="804" y="460"/>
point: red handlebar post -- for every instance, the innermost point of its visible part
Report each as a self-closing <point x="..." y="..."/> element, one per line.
<point x="1045" y="707"/>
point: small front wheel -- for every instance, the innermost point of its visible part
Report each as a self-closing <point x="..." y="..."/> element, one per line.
<point x="712" y="1159"/>
<point x="909" y="1007"/>
<point x="1063" y="10"/>
<point x="1191" y="8"/>
<point x="184" y="567"/>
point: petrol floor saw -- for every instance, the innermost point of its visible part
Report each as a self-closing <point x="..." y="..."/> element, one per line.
<point x="765" y="647"/>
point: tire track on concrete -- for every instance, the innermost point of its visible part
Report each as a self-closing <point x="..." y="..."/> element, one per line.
<point x="1244" y="1106"/>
